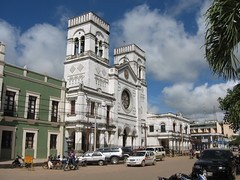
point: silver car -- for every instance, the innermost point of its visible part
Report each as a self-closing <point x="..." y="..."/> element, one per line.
<point x="93" y="158"/>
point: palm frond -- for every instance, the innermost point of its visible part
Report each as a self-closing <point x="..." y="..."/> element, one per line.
<point x="222" y="37"/>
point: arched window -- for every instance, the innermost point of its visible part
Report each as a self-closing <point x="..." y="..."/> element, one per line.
<point x="163" y="127"/>
<point x="100" y="49"/>
<point x="96" y="46"/>
<point x="174" y="127"/>
<point x="181" y="130"/>
<point x="76" y="46"/>
<point x="186" y="128"/>
<point x="140" y="72"/>
<point x="82" y="44"/>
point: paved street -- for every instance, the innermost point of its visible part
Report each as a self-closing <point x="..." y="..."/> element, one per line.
<point x="117" y="172"/>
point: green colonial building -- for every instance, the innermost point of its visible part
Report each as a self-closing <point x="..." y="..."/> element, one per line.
<point x="32" y="112"/>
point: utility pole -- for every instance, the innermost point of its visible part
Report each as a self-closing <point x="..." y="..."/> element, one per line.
<point x="95" y="129"/>
<point x="87" y="125"/>
<point x="145" y="134"/>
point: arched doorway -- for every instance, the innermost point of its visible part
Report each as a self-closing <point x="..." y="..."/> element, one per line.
<point x="125" y="136"/>
<point x="84" y="142"/>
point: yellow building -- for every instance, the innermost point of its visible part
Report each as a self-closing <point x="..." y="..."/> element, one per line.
<point x="211" y="133"/>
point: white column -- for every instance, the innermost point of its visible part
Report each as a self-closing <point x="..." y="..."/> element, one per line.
<point x="91" y="140"/>
<point x="102" y="138"/>
<point x="78" y="140"/>
<point x="111" y="138"/>
<point x="135" y="145"/>
<point x="120" y="140"/>
<point x="107" y="137"/>
<point x="129" y="140"/>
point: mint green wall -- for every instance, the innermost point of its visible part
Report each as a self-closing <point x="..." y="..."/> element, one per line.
<point x="13" y="69"/>
<point x="54" y="81"/>
<point x="35" y="75"/>
<point x="44" y="90"/>
<point x="13" y="77"/>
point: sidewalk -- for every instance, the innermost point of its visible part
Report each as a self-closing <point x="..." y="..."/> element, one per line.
<point x="8" y="163"/>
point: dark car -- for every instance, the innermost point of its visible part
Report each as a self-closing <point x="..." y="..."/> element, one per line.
<point x="215" y="164"/>
<point x="127" y="151"/>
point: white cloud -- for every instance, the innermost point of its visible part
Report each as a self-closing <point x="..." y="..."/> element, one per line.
<point x="200" y="100"/>
<point x="183" y="6"/>
<point x="165" y="42"/>
<point x="153" y="109"/>
<point x="42" y="48"/>
<point x="9" y="36"/>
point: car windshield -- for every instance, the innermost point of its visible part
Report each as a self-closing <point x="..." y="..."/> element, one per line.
<point x="139" y="153"/>
<point x="215" y="154"/>
<point x="149" y="149"/>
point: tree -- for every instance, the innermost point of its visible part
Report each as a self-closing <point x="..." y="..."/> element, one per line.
<point x="222" y="38"/>
<point x="235" y="142"/>
<point x="231" y="107"/>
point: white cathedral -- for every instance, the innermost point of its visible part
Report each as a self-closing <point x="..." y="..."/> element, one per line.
<point x="105" y="105"/>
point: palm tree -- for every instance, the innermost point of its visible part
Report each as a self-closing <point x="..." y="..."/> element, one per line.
<point x="222" y="38"/>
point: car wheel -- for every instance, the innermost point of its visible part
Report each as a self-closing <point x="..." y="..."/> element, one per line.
<point x="66" y="167"/>
<point x="13" y="165"/>
<point x="143" y="163"/>
<point x="125" y="159"/>
<point x="100" y="163"/>
<point x="84" y="164"/>
<point x="45" y="166"/>
<point x="114" y="160"/>
<point x="154" y="162"/>
<point x="76" y="167"/>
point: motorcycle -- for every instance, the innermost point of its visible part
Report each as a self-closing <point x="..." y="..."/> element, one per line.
<point x="180" y="176"/>
<point x="18" y="162"/>
<point x="71" y="163"/>
<point x="53" y="163"/>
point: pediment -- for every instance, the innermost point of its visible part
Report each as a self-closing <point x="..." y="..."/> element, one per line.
<point x="126" y="73"/>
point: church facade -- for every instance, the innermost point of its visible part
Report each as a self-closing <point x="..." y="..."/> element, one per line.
<point x="106" y="105"/>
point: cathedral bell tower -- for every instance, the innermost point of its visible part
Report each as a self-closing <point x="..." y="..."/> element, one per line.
<point x="87" y="50"/>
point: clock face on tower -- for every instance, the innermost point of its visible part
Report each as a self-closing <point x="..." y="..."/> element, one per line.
<point x="125" y="99"/>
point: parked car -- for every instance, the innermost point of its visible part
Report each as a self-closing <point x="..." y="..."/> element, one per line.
<point x="215" y="163"/>
<point x="127" y="151"/>
<point x="141" y="158"/>
<point x="112" y="154"/>
<point x="93" y="158"/>
<point x="158" y="150"/>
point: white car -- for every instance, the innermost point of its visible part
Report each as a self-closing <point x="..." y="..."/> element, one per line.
<point x="141" y="158"/>
<point x="159" y="152"/>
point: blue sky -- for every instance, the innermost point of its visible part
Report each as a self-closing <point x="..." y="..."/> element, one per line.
<point x="171" y="32"/>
